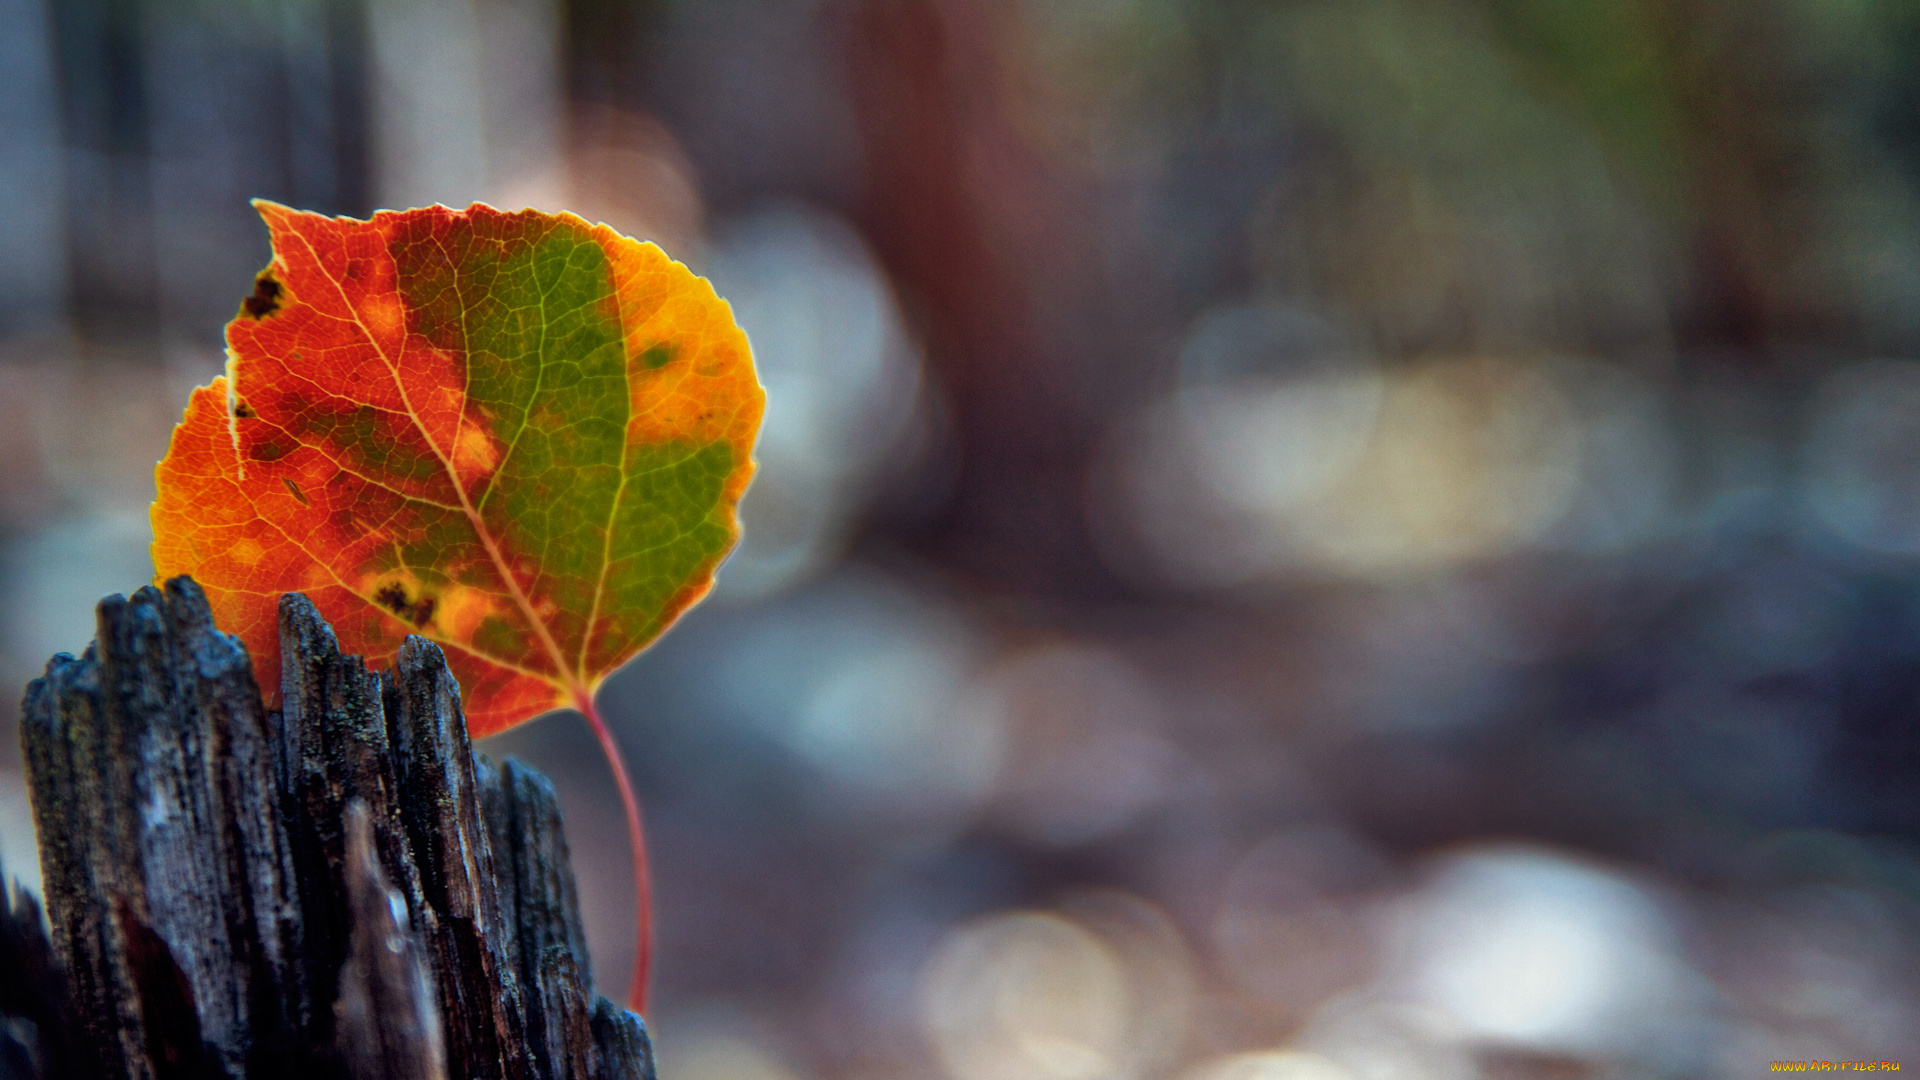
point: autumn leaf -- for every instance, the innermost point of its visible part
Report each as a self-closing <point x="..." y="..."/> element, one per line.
<point x="516" y="434"/>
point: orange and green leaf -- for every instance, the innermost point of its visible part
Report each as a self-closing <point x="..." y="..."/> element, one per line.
<point x="517" y="434"/>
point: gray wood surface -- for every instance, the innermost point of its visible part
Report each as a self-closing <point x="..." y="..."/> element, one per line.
<point x="338" y="888"/>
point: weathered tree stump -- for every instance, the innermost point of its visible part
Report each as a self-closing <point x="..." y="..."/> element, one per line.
<point x="337" y="888"/>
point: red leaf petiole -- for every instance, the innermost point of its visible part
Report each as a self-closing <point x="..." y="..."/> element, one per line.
<point x="637" y="840"/>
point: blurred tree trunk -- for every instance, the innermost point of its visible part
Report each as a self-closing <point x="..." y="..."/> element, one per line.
<point x="941" y="158"/>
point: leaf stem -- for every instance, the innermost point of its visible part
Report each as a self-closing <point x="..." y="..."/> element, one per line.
<point x="637" y="840"/>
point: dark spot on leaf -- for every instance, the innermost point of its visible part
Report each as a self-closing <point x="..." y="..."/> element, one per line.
<point x="393" y="597"/>
<point x="295" y="489"/>
<point x="656" y="356"/>
<point x="266" y="296"/>
<point x="271" y="450"/>
<point x="244" y="411"/>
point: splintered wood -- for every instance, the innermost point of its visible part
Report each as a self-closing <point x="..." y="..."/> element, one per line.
<point x="340" y="888"/>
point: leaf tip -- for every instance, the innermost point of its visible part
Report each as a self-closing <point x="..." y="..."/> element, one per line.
<point x="268" y="209"/>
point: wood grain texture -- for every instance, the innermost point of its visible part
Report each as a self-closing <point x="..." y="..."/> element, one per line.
<point x="337" y="888"/>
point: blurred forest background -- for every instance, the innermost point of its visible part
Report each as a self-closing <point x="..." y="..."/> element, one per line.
<point x="1298" y="540"/>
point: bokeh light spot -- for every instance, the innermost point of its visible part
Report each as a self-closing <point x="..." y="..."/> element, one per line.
<point x="1027" y="996"/>
<point x="1269" y="1065"/>
<point x="1861" y="468"/>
